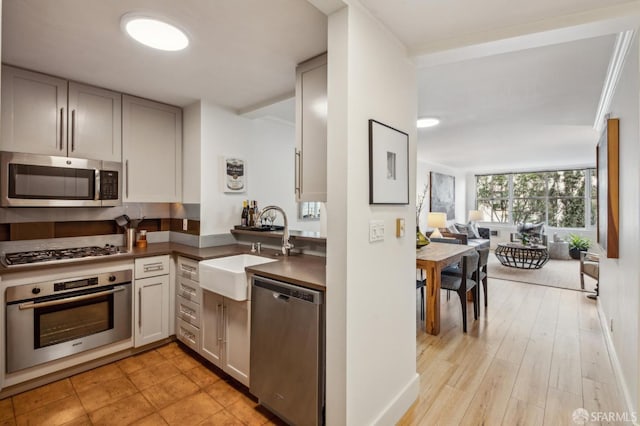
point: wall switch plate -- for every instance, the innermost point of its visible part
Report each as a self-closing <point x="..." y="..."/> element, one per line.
<point x="376" y="230"/>
<point x="185" y="224"/>
<point x="399" y="227"/>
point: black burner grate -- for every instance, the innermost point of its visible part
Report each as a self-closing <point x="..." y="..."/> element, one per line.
<point x="25" y="257"/>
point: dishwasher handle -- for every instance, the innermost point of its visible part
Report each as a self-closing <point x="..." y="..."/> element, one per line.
<point x="289" y="291"/>
<point x="281" y="297"/>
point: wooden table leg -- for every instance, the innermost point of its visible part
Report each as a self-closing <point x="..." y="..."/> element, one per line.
<point x="432" y="317"/>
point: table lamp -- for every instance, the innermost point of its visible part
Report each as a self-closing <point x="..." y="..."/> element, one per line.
<point x="437" y="221"/>
<point x="475" y="216"/>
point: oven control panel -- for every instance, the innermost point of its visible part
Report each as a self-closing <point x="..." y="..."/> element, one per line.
<point x="89" y="283"/>
<point x="69" y="285"/>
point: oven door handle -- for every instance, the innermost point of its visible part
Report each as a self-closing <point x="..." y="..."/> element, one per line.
<point x="32" y="305"/>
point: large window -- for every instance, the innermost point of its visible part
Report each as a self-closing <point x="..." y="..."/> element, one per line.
<point x="561" y="198"/>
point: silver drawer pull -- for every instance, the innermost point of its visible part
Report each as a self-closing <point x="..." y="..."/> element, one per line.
<point x="150" y="267"/>
<point x="188" y="268"/>
<point x="187" y="311"/>
<point x="189" y="290"/>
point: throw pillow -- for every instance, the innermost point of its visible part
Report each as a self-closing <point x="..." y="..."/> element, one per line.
<point x="473" y="227"/>
<point x="452" y="229"/>
<point x="464" y="229"/>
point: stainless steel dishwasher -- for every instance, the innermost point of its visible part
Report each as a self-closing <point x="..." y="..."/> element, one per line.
<point x="287" y="350"/>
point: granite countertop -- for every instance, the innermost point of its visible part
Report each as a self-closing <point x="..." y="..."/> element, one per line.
<point x="301" y="269"/>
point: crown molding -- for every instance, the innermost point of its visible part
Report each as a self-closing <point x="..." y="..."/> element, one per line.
<point x="616" y="64"/>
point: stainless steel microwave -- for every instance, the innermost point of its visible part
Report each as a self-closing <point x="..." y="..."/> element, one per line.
<point x="30" y="180"/>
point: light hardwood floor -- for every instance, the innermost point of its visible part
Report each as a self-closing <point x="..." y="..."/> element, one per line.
<point x="533" y="357"/>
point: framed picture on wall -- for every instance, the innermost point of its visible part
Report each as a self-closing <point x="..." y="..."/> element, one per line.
<point x="608" y="158"/>
<point x="388" y="164"/>
<point x="234" y="177"/>
<point x="443" y="194"/>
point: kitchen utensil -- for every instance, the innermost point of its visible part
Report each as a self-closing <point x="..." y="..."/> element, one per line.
<point x="133" y="223"/>
<point x="122" y="220"/>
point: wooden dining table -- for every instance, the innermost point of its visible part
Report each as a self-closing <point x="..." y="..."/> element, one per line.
<point x="433" y="258"/>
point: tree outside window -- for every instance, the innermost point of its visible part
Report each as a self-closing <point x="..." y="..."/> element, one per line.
<point x="493" y="196"/>
<point x="561" y="198"/>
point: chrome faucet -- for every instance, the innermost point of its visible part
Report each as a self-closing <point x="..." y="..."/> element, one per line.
<point x="286" y="244"/>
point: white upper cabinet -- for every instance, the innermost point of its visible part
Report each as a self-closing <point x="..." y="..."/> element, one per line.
<point x="34" y="112"/>
<point x="50" y="116"/>
<point x="152" y="151"/>
<point x="311" y="130"/>
<point x="95" y="118"/>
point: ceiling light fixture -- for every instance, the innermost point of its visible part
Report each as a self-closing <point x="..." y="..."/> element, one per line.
<point x="427" y="122"/>
<point x="154" y="33"/>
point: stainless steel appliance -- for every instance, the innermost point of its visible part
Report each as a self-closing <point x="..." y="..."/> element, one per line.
<point x="56" y="255"/>
<point x="287" y="350"/>
<point x="49" y="320"/>
<point x="30" y="180"/>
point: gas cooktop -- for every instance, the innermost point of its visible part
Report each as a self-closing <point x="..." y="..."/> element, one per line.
<point x="53" y="255"/>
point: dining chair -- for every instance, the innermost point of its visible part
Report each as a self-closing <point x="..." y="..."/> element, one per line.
<point x="455" y="268"/>
<point x="462" y="283"/>
<point x="481" y="273"/>
<point x="420" y="285"/>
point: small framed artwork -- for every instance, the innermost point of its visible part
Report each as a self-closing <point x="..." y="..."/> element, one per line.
<point x="234" y="174"/>
<point x="388" y="164"/>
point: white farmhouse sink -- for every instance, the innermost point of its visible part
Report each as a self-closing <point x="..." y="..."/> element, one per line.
<point x="226" y="275"/>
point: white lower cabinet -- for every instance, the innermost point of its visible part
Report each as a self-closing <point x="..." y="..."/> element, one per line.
<point x="226" y="328"/>
<point x="188" y="303"/>
<point x="151" y="300"/>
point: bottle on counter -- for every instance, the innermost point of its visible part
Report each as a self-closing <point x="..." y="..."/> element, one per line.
<point x="256" y="213"/>
<point x="244" y="218"/>
<point x="142" y="239"/>
<point x="251" y="218"/>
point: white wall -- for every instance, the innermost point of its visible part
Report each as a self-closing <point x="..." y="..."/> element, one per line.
<point x="620" y="278"/>
<point x="371" y="346"/>
<point x="267" y="146"/>
<point x="422" y="178"/>
<point x="271" y="169"/>
<point x="223" y="133"/>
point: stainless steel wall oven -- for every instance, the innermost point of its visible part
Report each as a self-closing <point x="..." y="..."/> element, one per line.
<point x="53" y="319"/>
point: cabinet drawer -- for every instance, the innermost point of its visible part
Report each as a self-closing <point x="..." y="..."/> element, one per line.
<point x="189" y="290"/>
<point x="188" y="268"/>
<point x="188" y="311"/>
<point x="152" y="266"/>
<point x="188" y="334"/>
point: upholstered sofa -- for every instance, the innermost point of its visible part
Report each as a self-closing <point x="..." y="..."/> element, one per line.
<point x="465" y="237"/>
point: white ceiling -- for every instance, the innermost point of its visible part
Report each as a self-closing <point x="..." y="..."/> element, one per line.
<point x="519" y="109"/>
<point x="422" y="24"/>
<point x="242" y="52"/>
<point x="526" y="109"/>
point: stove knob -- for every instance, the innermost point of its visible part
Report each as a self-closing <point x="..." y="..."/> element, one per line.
<point x="35" y="290"/>
<point x="112" y="278"/>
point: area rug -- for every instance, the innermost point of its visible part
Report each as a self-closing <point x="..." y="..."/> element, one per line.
<point x="555" y="273"/>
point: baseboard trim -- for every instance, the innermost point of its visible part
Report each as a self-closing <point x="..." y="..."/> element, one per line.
<point x="615" y="361"/>
<point x="400" y="404"/>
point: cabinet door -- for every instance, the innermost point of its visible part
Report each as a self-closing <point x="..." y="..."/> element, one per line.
<point x="151" y="314"/>
<point x="211" y="323"/>
<point x="95" y="119"/>
<point x="311" y="130"/>
<point x="34" y="112"/>
<point x="152" y="151"/>
<point x="237" y="339"/>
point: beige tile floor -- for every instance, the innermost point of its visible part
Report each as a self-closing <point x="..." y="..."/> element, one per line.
<point x="165" y="386"/>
